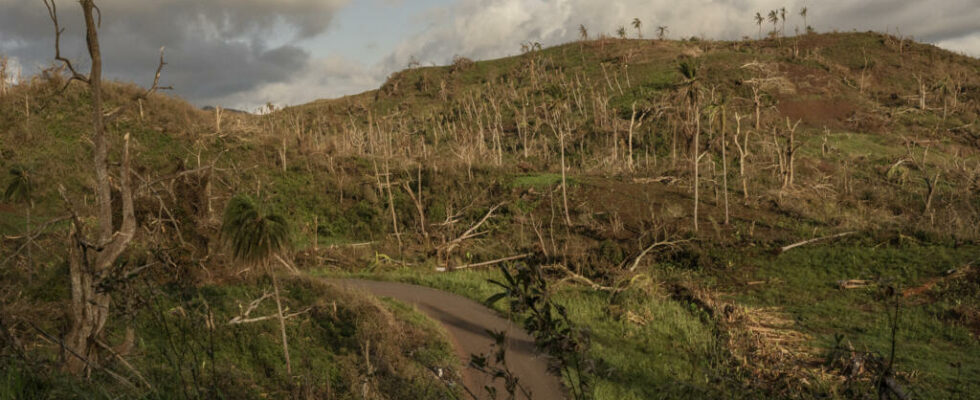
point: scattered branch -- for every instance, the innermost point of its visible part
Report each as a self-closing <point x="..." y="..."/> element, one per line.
<point x="664" y="243"/>
<point x="486" y="263"/>
<point x="251" y="307"/>
<point x="810" y="241"/>
<point x="470" y="233"/>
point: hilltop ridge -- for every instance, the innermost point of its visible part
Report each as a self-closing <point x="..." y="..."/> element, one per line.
<point x="654" y="182"/>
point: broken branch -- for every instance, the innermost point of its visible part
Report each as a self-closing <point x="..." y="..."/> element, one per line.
<point x="810" y="241"/>
<point x="486" y="263"/>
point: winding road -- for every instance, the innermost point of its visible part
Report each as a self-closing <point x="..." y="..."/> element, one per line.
<point x="467" y="322"/>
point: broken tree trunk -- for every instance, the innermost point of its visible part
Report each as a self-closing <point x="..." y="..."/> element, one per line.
<point x="282" y="323"/>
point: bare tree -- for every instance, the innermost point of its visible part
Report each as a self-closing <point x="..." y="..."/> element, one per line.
<point x="743" y="153"/>
<point x="89" y="260"/>
<point x="788" y="153"/>
<point x="560" y="127"/>
<point x="724" y="161"/>
<point x="691" y="86"/>
<point x="3" y="75"/>
<point x="634" y="124"/>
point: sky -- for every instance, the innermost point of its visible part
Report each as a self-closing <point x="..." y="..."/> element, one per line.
<point x="246" y="53"/>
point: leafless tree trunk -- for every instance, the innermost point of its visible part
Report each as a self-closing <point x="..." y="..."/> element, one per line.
<point x="282" y="323"/>
<point x="560" y="131"/>
<point x="629" y="143"/>
<point x="743" y="152"/>
<point x="282" y="154"/>
<point x="564" y="180"/>
<point x="724" y="163"/>
<point x="922" y="92"/>
<point x="696" y="158"/>
<point x="3" y="76"/>
<point x="217" y="119"/>
<point x="89" y="260"/>
<point x="932" y="192"/>
<point x="790" y="154"/>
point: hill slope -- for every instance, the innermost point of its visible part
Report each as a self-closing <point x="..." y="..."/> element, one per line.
<point x="794" y="139"/>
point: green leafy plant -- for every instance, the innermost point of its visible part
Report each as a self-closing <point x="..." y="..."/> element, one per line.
<point x="495" y="365"/>
<point x="255" y="238"/>
<point x="20" y="190"/>
<point x="528" y="294"/>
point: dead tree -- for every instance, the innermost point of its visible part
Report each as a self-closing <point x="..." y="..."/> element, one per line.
<point x="787" y="153"/>
<point x="90" y="260"/>
<point x="922" y="91"/>
<point x="743" y="152"/>
<point x="3" y="76"/>
<point x="931" y="185"/>
<point x="561" y="128"/>
<point x="724" y="163"/>
<point x="634" y="124"/>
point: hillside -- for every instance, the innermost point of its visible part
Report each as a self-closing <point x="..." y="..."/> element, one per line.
<point x="581" y="162"/>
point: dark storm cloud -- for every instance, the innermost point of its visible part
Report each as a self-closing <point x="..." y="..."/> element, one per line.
<point x="214" y="48"/>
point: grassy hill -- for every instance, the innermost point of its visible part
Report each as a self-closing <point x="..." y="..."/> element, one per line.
<point x="797" y="138"/>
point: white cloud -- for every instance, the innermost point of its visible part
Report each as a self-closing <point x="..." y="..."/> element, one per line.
<point x="494" y="28"/>
<point x="969" y="45"/>
<point x="320" y="78"/>
<point x="244" y="53"/>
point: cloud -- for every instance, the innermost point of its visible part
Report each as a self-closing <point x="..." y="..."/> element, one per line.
<point x="244" y="53"/>
<point x="493" y="28"/>
<point x="215" y="48"/>
<point x="320" y="78"/>
<point x="969" y="45"/>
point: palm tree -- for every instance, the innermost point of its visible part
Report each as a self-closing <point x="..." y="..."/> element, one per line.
<point x="583" y="33"/>
<point x="758" y="21"/>
<point x="774" y="18"/>
<point x="782" y="13"/>
<point x="621" y="32"/>
<point x="254" y="239"/>
<point x="806" y="27"/>
<point x="662" y="32"/>
<point x="19" y="191"/>
<point x="637" y="24"/>
<point x="691" y="88"/>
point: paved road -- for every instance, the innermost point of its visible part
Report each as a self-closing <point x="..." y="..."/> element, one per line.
<point x="467" y="322"/>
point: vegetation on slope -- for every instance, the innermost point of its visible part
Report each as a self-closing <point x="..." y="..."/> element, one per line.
<point x="579" y="156"/>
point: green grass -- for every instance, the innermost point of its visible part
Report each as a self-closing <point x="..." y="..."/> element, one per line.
<point x="181" y="356"/>
<point x="645" y="345"/>
<point x="540" y="181"/>
<point x="928" y="345"/>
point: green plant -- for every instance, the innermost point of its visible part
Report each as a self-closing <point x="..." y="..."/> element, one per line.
<point x="548" y="322"/>
<point x="20" y="190"/>
<point x="255" y="238"/>
<point x="495" y="365"/>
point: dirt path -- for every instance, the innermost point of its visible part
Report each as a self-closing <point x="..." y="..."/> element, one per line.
<point x="467" y="322"/>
